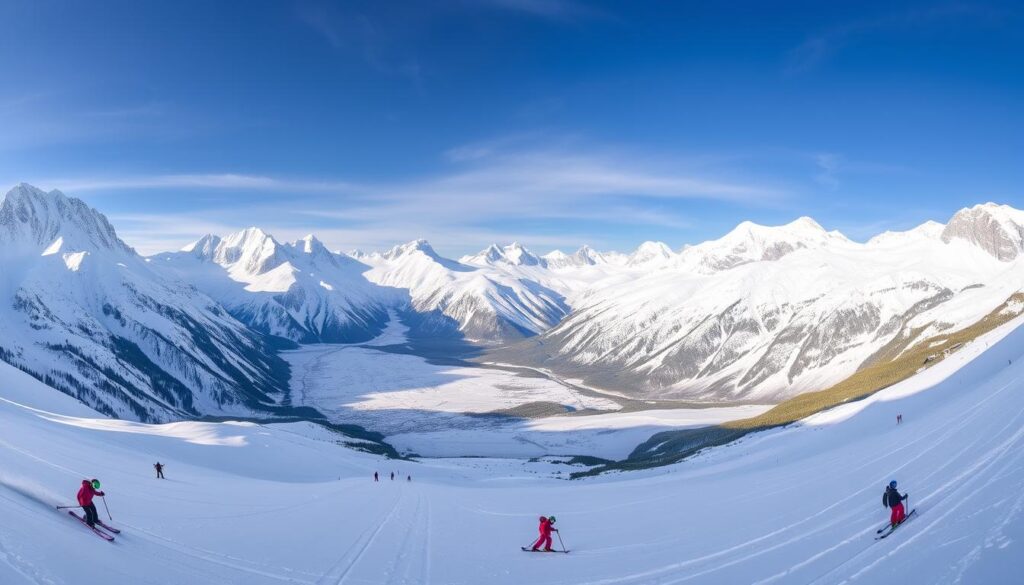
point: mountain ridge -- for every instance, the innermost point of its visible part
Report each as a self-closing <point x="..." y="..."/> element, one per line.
<point x="764" y="312"/>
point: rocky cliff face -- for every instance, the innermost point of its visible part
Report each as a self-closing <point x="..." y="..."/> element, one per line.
<point x="997" y="229"/>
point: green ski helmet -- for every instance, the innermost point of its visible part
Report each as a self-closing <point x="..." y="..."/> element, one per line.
<point x="95" y="484"/>
<point x="551" y="519"/>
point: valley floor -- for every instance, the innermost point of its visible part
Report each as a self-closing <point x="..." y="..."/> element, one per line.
<point x="436" y="410"/>
<point x="245" y="503"/>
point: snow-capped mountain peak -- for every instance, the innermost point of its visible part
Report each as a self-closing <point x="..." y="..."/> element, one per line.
<point x="929" y="230"/>
<point x="420" y="246"/>
<point x="650" y="253"/>
<point x="752" y="242"/>
<point x="488" y="255"/>
<point x="805" y="223"/>
<point x="590" y="255"/>
<point x="584" y="256"/>
<point x="555" y="256"/>
<point x="997" y="229"/>
<point x="312" y="246"/>
<point x="33" y="217"/>
<point x="514" y="254"/>
<point x="204" y="247"/>
<point x="298" y="290"/>
<point x="251" y="250"/>
<point x="801" y="229"/>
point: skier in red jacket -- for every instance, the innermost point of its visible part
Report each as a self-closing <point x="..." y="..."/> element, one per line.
<point x="89" y="490"/>
<point x="546" y="527"/>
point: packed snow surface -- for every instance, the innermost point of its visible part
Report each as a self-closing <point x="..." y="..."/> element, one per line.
<point x="245" y="503"/>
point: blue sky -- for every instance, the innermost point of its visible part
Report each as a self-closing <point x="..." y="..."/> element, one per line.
<point x="555" y="123"/>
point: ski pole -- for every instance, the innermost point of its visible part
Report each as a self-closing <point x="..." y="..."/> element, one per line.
<point x="104" y="498"/>
<point x="559" y="533"/>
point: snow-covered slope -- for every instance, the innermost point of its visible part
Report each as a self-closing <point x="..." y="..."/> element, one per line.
<point x="255" y="504"/>
<point x="766" y="313"/>
<point x="83" y="311"/>
<point x="300" y="291"/>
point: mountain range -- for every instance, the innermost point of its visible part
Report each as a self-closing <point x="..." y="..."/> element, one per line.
<point x="761" y="314"/>
<point x="87" y="315"/>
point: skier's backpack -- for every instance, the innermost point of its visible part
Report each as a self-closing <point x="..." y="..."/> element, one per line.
<point x="885" y="499"/>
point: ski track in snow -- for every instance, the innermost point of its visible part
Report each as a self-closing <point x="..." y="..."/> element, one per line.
<point x="340" y="571"/>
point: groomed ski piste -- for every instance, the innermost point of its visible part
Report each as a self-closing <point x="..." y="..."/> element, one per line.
<point x="245" y="503"/>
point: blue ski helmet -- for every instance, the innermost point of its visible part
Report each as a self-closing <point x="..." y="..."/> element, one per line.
<point x="892" y="484"/>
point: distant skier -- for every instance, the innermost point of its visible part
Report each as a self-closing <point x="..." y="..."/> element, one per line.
<point x="545" y="529"/>
<point x="375" y="476"/>
<point x="89" y="490"/>
<point x="392" y="476"/>
<point x="899" y="418"/>
<point x="159" y="470"/>
<point x="408" y="478"/>
<point x="894" y="501"/>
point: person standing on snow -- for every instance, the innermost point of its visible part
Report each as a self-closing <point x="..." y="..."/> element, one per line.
<point x="89" y="490"/>
<point x="375" y="478"/>
<point x="545" y="529"/>
<point x="159" y="470"/>
<point x="894" y="501"/>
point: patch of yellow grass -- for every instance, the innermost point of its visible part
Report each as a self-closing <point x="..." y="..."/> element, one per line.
<point x="881" y="374"/>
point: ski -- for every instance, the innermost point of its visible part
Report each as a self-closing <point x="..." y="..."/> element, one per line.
<point x="104" y="526"/>
<point x="528" y="549"/>
<point x="97" y="531"/>
<point x="893" y="529"/>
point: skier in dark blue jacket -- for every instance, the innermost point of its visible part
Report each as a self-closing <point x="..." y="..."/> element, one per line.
<point x="894" y="501"/>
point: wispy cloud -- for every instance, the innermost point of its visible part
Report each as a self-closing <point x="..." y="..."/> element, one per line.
<point x="194" y="181"/>
<point x="45" y="118"/>
<point x="550" y="9"/>
<point x="823" y="45"/>
<point x="150" y="233"/>
<point x="487" y="192"/>
<point x="828" y="165"/>
<point x="386" y="48"/>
